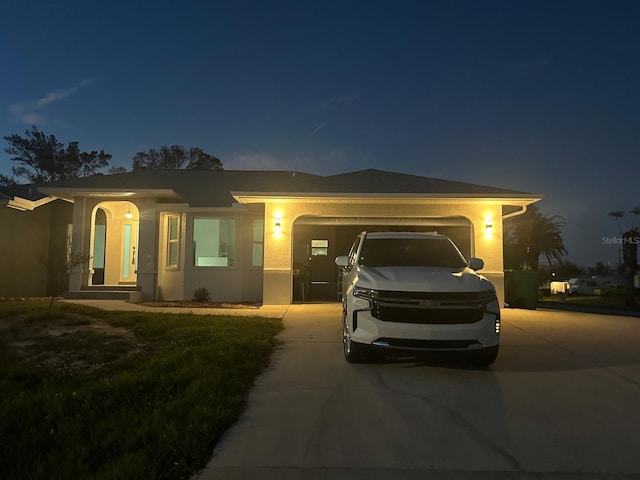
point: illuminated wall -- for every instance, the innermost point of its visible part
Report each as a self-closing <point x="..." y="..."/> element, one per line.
<point x="280" y="215"/>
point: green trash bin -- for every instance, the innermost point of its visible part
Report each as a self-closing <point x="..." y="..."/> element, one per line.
<point x="521" y="289"/>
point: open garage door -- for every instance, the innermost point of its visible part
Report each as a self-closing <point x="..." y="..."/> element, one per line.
<point x="318" y="240"/>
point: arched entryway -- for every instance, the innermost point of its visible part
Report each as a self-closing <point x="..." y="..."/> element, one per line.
<point x="114" y="243"/>
<point x="318" y="240"/>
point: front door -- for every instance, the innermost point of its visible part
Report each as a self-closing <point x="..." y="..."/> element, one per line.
<point x="129" y="267"/>
<point x="323" y="270"/>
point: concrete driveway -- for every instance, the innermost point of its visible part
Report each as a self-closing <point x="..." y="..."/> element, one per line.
<point x="561" y="402"/>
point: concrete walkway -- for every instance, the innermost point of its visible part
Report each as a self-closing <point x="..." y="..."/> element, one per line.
<point x="560" y="403"/>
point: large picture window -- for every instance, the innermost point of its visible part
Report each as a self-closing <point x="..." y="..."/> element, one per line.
<point x="214" y="242"/>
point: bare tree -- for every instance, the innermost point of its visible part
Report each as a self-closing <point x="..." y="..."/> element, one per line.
<point x="60" y="271"/>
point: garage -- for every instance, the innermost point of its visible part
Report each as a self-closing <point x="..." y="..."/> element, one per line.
<point x="318" y="240"/>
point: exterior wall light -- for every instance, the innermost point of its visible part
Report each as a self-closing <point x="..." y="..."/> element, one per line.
<point x="128" y="215"/>
<point x="488" y="227"/>
<point x="278" y="225"/>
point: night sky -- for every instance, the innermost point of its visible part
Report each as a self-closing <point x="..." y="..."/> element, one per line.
<point x="538" y="96"/>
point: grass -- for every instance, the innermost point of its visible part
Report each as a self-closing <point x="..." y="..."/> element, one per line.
<point x="86" y="393"/>
<point x="614" y="301"/>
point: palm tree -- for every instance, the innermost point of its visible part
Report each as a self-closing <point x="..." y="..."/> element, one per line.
<point x="530" y="235"/>
<point x="618" y="214"/>
<point x="629" y="254"/>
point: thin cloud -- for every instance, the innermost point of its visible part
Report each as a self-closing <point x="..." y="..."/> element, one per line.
<point x="29" y="111"/>
<point x="320" y="162"/>
<point x="325" y="162"/>
<point x="318" y="128"/>
<point x="255" y="161"/>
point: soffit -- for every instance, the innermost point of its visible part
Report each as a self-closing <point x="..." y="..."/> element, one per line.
<point x="359" y="198"/>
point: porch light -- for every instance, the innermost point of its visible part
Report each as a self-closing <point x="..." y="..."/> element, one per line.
<point x="488" y="226"/>
<point x="278" y="224"/>
<point x="128" y="215"/>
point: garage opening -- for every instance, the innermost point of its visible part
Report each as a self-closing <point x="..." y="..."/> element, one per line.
<point x="317" y="241"/>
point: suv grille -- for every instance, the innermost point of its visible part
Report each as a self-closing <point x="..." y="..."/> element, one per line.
<point x="430" y="307"/>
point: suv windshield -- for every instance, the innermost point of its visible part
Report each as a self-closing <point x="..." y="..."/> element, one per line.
<point x="410" y="252"/>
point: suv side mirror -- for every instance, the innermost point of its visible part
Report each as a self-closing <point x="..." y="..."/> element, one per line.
<point x="476" y="263"/>
<point x="342" y="261"/>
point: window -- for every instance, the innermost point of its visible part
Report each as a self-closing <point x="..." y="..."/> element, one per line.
<point x="214" y="242"/>
<point x="258" y="243"/>
<point x="173" y="226"/>
<point x="70" y="245"/>
<point x="319" y="248"/>
<point x="411" y="252"/>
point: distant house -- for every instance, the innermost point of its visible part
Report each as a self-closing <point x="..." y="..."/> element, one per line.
<point x="260" y="236"/>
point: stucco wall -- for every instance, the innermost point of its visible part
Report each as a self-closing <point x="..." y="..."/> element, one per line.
<point x="171" y="279"/>
<point x="144" y="210"/>
<point x="278" y="240"/>
<point x="32" y="249"/>
<point x="240" y="282"/>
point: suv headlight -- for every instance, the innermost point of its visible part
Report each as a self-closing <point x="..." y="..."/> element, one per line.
<point x="367" y="294"/>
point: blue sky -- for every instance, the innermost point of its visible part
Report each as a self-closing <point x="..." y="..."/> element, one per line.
<point x="538" y="96"/>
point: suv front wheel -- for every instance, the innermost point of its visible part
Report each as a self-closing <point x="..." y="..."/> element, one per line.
<point x="354" y="352"/>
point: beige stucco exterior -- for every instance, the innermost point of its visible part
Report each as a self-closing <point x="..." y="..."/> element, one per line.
<point x="32" y="241"/>
<point x="278" y="267"/>
<point x="480" y="215"/>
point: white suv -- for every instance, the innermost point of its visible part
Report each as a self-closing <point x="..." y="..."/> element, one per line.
<point x="416" y="291"/>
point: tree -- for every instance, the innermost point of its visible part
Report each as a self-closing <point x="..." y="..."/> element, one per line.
<point x="42" y="158"/>
<point x="175" y="157"/>
<point x="600" y="269"/>
<point x="530" y="235"/>
<point x="60" y="271"/>
<point x="630" y="240"/>
<point x="4" y="180"/>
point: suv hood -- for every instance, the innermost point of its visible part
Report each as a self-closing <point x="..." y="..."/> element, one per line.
<point x="422" y="279"/>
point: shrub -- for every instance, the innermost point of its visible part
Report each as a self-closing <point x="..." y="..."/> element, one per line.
<point x="201" y="295"/>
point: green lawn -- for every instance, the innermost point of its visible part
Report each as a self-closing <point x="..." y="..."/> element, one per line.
<point x="615" y="301"/>
<point x="86" y="393"/>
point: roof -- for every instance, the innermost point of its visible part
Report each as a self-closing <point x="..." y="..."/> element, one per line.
<point x="27" y="192"/>
<point x="23" y="197"/>
<point x="216" y="188"/>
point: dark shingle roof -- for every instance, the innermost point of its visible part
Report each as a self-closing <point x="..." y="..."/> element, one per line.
<point x="214" y="188"/>
<point x="28" y="192"/>
<point x="379" y="181"/>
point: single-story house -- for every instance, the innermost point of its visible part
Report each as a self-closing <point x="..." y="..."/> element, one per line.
<point x="251" y="236"/>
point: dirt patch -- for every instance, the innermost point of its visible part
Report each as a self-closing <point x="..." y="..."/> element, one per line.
<point x="78" y="343"/>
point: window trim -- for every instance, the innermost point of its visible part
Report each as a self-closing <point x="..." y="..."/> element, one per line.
<point x="254" y="243"/>
<point x="171" y="241"/>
